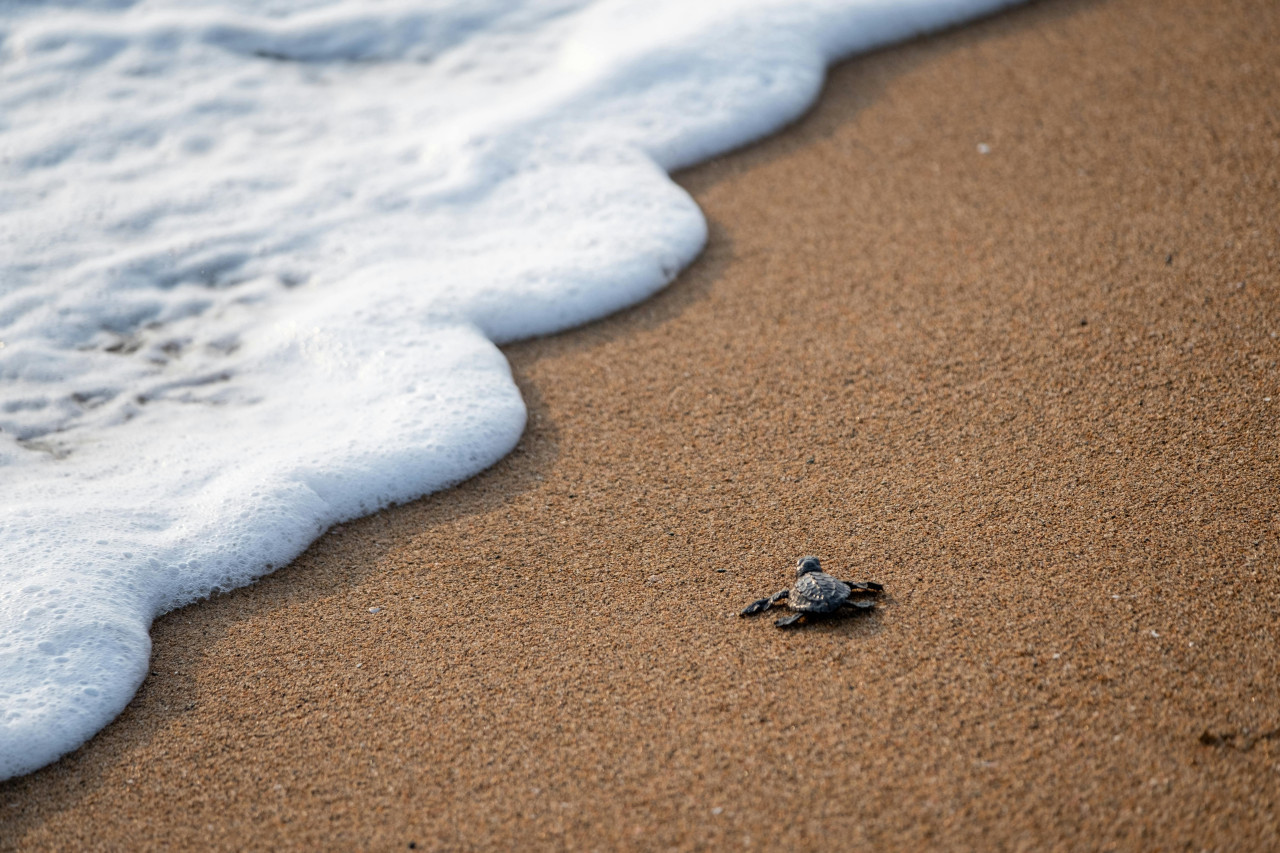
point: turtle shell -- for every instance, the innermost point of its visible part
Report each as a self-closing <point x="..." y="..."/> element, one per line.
<point x="817" y="592"/>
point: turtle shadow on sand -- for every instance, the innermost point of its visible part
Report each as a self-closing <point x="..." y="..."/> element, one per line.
<point x="817" y="595"/>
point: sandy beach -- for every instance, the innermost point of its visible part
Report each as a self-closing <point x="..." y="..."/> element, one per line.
<point x="997" y="324"/>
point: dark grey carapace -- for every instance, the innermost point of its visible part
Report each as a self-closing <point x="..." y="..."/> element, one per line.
<point x="816" y="594"/>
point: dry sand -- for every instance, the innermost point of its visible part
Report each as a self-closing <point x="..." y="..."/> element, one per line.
<point x="1026" y="389"/>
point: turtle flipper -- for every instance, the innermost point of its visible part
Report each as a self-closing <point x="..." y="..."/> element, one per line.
<point x="764" y="604"/>
<point x="864" y="587"/>
<point x="788" y="621"/>
<point x="859" y="604"/>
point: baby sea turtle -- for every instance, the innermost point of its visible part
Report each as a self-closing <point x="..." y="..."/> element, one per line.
<point x="816" y="593"/>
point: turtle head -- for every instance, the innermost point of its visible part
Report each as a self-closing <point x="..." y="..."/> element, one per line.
<point x="806" y="565"/>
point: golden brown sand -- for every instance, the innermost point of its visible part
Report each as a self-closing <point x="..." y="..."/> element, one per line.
<point x="1026" y="389"/>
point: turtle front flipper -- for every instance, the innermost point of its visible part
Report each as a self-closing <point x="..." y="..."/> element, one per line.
<point x="788" y="621"/>
<point x="764" y="604"/>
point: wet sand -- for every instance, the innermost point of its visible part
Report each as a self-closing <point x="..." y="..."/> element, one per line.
<point x="1026" y="389"/>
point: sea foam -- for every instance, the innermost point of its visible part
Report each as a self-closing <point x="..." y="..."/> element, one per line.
<point x="255" y="258"/>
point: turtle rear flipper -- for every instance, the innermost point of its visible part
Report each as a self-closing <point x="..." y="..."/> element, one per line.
<point x="860" y="604"/>
<point x="788" y="621"/>
<point x="864" y="587"/>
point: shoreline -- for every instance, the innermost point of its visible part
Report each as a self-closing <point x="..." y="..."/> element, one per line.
<point x="1021" y="388"/>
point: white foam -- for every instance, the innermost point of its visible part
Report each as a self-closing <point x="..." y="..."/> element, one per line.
<point x="254" y="258"/>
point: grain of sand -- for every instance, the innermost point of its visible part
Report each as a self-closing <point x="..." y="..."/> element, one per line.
<point x="996" y="324"/>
